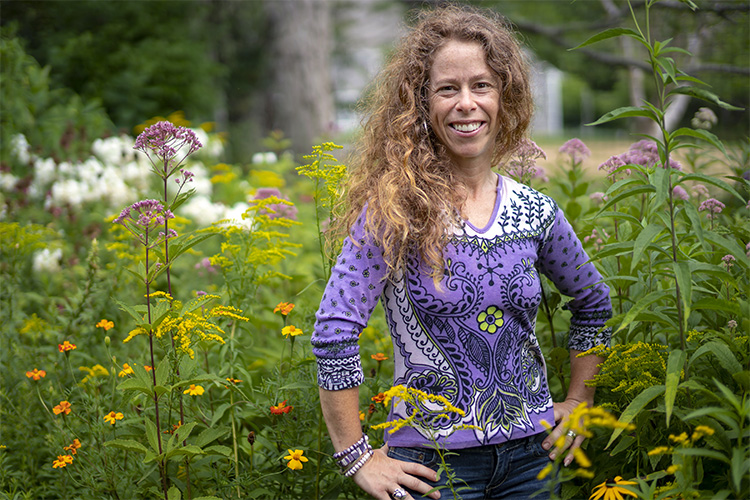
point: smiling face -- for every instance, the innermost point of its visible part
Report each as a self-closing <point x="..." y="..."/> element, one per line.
<point x="464" y="101"/>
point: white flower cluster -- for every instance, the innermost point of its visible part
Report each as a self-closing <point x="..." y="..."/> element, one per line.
<point x="117" y="175"/>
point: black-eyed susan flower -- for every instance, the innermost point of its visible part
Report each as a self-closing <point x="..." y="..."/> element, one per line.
<point x="62" y="461"/>
<point x="612" y="492"/>
<point x="36" y="374"/>
<point x="113" y="417"/>
<point x="295" y="459"/>
<point x="291" y="331"/>
<point x="65" y="346"/>
<point x="106" y="324"/>
<point x="194" y="390"/>
<point x="63" y="407"/>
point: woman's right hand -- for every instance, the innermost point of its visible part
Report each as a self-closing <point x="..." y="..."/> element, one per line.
<point x="381" y="475"/>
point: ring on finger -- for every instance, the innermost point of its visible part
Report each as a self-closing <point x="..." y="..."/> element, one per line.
<point x="571" y="433"/>
<point x="398" y="494"/>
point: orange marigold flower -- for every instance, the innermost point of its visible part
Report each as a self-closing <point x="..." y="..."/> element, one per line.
<point x="126" y="370"/>
<point x="62" y="461"/>
<point x="379" y="356"/>
<point x="379" y="397"/>
<point x="281" y="408"/>
<point x="284" y="308"/>
<point x="111" y="417"/>
<point x="194" y="390"/>
<point x="362" y="416"/>
<point x="147" y="368"/>
<point x="291" y="331"/>
<point x="106" y="324"/>
<point x="36" y="374"/>
<point x="65" y="346"/>
<point x="234" y="380"/>
<point x="73" y="447"/>
<point x="63" y="407"/>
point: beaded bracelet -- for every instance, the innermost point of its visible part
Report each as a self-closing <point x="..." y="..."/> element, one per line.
<point x="359" y="449"/>
<point x="342" y="453"/>
<point x="362" y="460"/>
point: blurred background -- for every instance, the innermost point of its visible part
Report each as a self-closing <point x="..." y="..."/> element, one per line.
<point x="89" y="68"/>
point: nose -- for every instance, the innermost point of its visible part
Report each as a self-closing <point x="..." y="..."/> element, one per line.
<point x="465" y="100"/>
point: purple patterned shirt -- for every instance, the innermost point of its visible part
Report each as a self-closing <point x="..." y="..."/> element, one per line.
<point x="473" y="341"/>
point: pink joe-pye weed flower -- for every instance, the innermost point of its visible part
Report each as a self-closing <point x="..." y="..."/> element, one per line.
<point x="167" y="145"/>
<point x="576" y="149"/>
<point x="522" y="165"/>
<point x="144" y="216"/>
<point x="712" y="206"/>
<point x="612" y="166"/>
<point x="275" y="210"/>
<point x="679" y="193"/>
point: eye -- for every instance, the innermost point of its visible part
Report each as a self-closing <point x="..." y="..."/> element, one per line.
<point x="446" y="90"/>
<point x="483" y="85"/>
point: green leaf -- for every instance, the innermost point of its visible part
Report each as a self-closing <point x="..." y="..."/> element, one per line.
<point x="180" y="199"/>
<point x="139" y="318"/>
<point x="701" y="452"/>
<point x="209" y="435"/>
<point x="639" y="306"/>
<point x="174" y="494"/>
<point x="625" y="112"/>
<point x="685" y="282"/>
<point x="704" y="135"/>
<point x="674" y="369"/>
<point x="611" y="33"/>
<point x="152" y="433"/>
<point x="190" y="450"/>
<point x="723" y="354"/>
<point x="645" y="237"/>
<point x="218" y="449"/>
<point x="716" y="304"/>
<point x="218" y="414"/>
<point x="704" y="95"/>
<point x="695" y="221"/>
<point x="133" y="384"/>
<point x="635" y="407"/>
<point x="715" y="181"/>
<point x="127" y="444"/>
<point x="621" y="216"/>
<point x="646" y="188"/>
<point x="730" y="246"/>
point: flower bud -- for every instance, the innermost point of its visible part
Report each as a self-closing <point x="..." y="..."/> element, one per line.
<point x="107" y="341"/>
<point x="251" y="438"/>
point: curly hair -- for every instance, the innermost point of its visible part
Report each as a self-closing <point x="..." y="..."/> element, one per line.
<point x="399" y="168"/>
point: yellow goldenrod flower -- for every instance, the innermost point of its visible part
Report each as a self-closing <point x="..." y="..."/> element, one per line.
<point x="660" y="450"/>
<point x="112" y="417"/>
<point x="291" y="331"/>
<point x="62" y="461"/>
<point x="581" y="458"/>
<point x="194" y="390"/>
<point x="106" y="324"/>
<point x="700" y="431"/>
<point x="295" y="459"/>
<point x="679" y="439"/>
<point x="544" y="472"/>
<point x="614" y="492"/>
<point x="672" y="469"/>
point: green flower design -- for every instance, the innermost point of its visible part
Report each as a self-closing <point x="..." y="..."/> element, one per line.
<point x="490" y="320"/>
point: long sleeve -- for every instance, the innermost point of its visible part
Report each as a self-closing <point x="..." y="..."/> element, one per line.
<point x="350" y="296"/>
<point x="564" y="261"/>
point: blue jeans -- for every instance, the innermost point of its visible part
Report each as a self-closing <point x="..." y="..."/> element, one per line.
<point x="504" y="471"/>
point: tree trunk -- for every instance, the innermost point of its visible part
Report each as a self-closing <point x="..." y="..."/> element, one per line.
<point x="300" y="97"/>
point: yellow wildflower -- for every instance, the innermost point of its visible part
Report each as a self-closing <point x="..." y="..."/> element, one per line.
<point x="544" y="472"/>
<point x="112" y="417"/>
<point x="660" y="450"/>
<point x="194" y="390"/>
<point x="581" y="458"/>
<point x="126" y="370"/>
<point x="291" y="331"/>
<point x="614" y="492"/>
<point x="62" y="461"/>
<point x="672" y="469"/>
<point x="295" y="459"/>
<point x="679" y="439"/>
<point x="106" y="324"/>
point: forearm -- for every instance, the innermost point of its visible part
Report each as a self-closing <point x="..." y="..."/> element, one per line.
<point x="582" y="369"/>
<point x="341" y="413"/>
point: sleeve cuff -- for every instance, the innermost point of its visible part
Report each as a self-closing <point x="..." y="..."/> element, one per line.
<point x="336" y="374"/>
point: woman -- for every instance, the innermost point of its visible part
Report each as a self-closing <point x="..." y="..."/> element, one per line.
<point x="452" y="249"/>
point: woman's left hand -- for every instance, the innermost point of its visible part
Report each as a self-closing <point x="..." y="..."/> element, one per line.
<point x="562" y="412"/>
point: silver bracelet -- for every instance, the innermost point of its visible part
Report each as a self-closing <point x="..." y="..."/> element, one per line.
<point x="359" y="463"/>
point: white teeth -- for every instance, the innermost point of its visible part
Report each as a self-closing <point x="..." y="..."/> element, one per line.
<point x="466" y="127"/>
